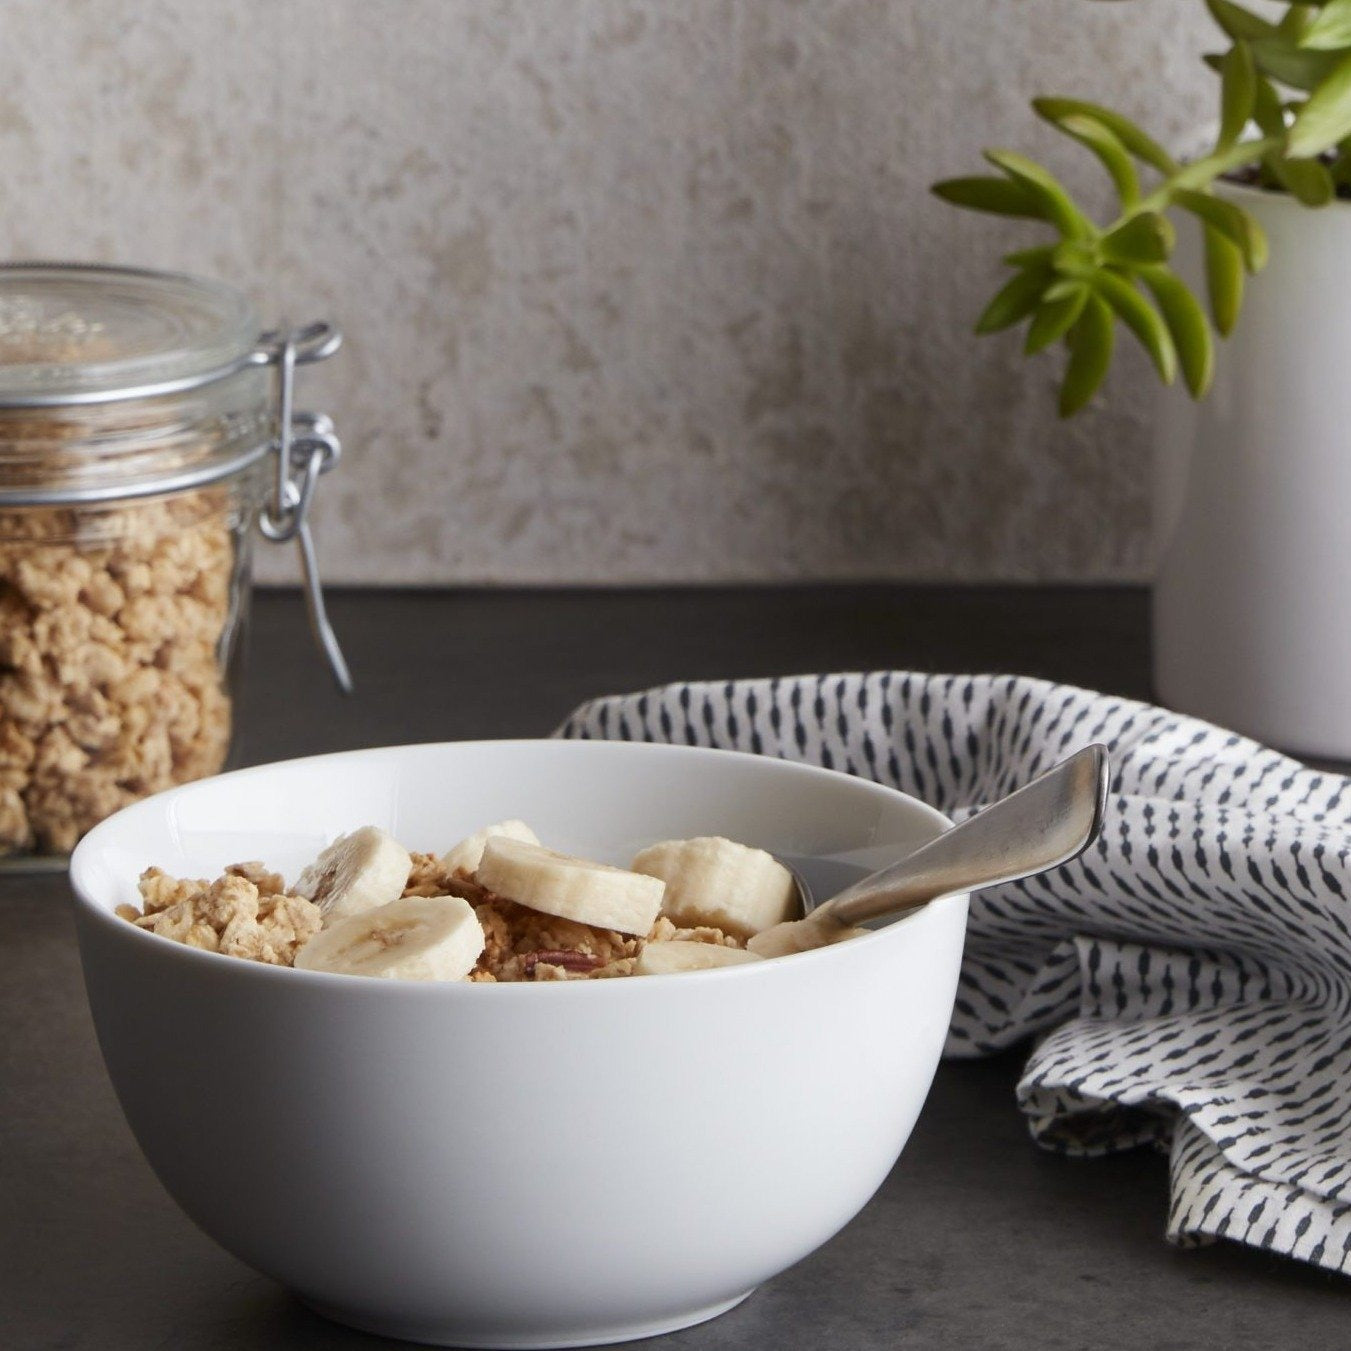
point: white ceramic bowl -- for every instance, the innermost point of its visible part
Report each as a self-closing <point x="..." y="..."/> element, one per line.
<point x="519" y="1165"/>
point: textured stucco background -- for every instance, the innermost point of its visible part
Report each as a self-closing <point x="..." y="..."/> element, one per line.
<point x="635" y="290"/>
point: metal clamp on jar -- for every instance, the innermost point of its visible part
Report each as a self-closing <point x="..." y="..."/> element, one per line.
<point x="145" y="428"/>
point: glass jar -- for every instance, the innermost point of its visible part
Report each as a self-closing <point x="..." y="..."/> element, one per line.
<point x="146" y="427"/>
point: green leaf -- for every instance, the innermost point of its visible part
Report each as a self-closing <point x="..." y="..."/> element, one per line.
<point x="1267" y="111"/>
<point x="1239" y="23"/>
<point x="1074" y="258"/>
<point x="1238" y="92"/>
<point x="1231" y="221"/>
<point x="1325" y="117"/>
<point x="1140" y="145"/>
<point x="1145" y="238"/>
<point x="1057" y="205"/>
<point x="1024" y="258"/>
<point x="1297" y="20"/>
<point x="1108" y="148"/>
<point x="1090" y="342"/>
<point x="1054" y="318"/>
<point x="1015" y="301"/>
<point x="1305" y="179"/>
<point x="1064" y="288"/>
<point x="1224" y="279"/>
<point x="1142" y="319"/>
<point x="1000" y="196"/>
<point x="1293" y="66"/>
<point x="1186" y="321"/>
<point x="1331" y="29"/>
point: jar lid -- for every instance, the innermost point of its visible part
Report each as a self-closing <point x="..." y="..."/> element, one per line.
<point x="73" y="333"/>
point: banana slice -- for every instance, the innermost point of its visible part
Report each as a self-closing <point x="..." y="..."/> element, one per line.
<point x="818" y="930"/>
<point x="713" y="881"/>
<point x="356" y="872"/>
<point x="415" y="938"/>
<point x="571" y="888"/>
<point x="665" y="959"/>
<point x="469" y="852"/>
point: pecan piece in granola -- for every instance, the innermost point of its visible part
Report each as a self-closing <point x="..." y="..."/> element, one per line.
<point x="569" y="959"/>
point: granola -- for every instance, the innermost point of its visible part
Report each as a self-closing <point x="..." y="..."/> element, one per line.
<point x="525" y="944"/>
<point x="384" y="911"/>
<point x="112" y="623"/>
<point x="243" y="913"/>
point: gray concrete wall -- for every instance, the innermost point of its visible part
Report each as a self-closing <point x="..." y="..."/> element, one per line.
<point x="635" y="289"/>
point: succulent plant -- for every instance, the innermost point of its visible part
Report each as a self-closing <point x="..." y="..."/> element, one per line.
<point x="1285" y="123"/>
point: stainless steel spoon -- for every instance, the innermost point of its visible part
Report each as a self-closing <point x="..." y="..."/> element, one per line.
<point x="1044" y="824"/>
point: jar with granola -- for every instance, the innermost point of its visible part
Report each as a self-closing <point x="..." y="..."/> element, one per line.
<point x="146" y="430"/>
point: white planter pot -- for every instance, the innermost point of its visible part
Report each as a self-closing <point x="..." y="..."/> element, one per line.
<point x="1252" y="601"/>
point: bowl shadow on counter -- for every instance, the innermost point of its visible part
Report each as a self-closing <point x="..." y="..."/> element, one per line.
<point x="265" y="1315"/>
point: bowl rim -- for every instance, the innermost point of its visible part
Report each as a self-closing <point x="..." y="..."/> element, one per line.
<point x="87" y="848"/>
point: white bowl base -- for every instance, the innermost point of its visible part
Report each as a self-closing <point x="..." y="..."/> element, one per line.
<point x="448" y="1334"/>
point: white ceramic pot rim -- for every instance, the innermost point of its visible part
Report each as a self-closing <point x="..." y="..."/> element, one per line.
<point x="219" y="964"/>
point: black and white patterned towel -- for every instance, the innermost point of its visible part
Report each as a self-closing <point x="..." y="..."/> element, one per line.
<point x="1189" y="977"/>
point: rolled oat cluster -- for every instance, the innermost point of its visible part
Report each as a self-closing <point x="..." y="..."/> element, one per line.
<point x="244" y="913"/>
<point x="111" y="622"/>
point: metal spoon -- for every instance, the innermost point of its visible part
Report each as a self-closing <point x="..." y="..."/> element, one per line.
<point x="1044" y="824"/>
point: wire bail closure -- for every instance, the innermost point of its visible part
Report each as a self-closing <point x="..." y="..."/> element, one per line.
<point x="304" y="448"/>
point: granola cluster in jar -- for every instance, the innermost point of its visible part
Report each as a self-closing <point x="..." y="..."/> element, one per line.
<point x="139" y="417"/>
<point x="113" y="624"/>
<point x="117" y="616"/>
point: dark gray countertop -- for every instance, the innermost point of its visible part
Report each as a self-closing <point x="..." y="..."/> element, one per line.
<point x="977" y="1240"/>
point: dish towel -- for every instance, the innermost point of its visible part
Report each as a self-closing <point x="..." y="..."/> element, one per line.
<point x="1188" y="978"/>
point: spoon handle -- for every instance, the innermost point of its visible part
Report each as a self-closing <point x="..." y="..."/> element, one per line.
<point x="1042" y="825"/>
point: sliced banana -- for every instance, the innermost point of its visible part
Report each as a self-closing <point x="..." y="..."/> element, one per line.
<point x="710" y="880"/>
<point x="665" y="959"/>
<point x="469" y="852"/>
<point x="415" y="938"/>
<point x="357" y="872"/>
<point x="818" y="930"/>
<point x="571" y="888"/>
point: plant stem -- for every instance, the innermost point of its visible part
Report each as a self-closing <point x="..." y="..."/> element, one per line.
<point x="1201" y="173"/>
